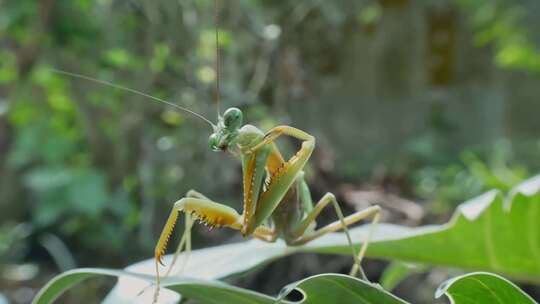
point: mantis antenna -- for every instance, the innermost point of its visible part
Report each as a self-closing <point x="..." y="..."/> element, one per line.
<point x="119" y="87"/>
<point x="216" y="17"/>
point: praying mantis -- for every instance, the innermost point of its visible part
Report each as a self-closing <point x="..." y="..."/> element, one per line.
<point x="277" y="202"/>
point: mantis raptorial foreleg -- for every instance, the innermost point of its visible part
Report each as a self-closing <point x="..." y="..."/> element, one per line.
<point x="283" y="177"/>
<point x="343" y="222"/>
<point x="199" y="208"/>
<point x="276" y="132"/>
<point x="186" y="236"/>
<point x="202" y="209"/>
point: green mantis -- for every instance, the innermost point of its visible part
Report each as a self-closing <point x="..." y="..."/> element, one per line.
<point x="276" y="198"/>
<point x="277" y="203"/>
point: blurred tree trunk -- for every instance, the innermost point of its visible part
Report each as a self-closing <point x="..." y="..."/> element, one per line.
<point x="418" y="70"/>
<point x="8" y="179"/>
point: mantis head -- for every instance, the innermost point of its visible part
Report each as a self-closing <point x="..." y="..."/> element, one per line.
<point x="226" y="130"/>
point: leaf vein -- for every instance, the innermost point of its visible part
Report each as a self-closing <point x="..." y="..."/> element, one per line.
<point x="489" y="289"/>
<point x="348" y="290"/>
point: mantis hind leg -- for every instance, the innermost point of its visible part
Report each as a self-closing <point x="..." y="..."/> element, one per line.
<point x="303" y="234"/>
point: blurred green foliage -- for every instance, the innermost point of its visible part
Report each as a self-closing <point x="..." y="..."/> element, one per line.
<point x="508" y="25"/>
<point x="477" y="172"/>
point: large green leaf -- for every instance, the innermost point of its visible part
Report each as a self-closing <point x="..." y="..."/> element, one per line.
<point x="204" y="264"/>
<point x="320" y="289"/>
<point x="326" y="288"/>
<point x="204" y="291"/>
<point x="59" y="284"/>
<point x="482" y="287"/>
<point x="491" y="233"/>
<point x="223" y="261"/>
<point x="477" y="288"/>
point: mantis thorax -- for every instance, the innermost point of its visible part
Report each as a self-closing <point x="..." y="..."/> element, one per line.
<point x="229" y="132"/>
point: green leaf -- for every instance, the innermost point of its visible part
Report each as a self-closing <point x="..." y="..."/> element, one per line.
<point x="59" y="284"/>
<point x="396" y="272"/>
<point x="118" y="57"/>
<point x="321" y="289"/>
<point x="87" y="192"/>
<point x="204" y="291"/>
<point x="487" y="233"/>
<point x="482" y="287"/>
<point x="491" y="232"/>
<point x="204" y="264"/>
<point x="326" y="288"/>
<point x="479" y="287"/>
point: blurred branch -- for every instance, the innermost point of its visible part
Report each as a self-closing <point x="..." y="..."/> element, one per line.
<point x="58" y="251"/>
<point x="261" y="70"/>
<point x="146" y="176"/>
<point x="362" y="199"/>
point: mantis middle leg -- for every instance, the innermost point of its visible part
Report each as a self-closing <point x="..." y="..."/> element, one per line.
<point x="304" y="235"/>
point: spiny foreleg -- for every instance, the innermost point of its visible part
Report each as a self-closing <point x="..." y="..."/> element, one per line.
<point x="186" y="236"/>
<point x="202" y="209"/>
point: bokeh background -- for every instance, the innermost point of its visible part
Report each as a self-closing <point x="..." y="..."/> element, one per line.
<point x="416" y="105"/>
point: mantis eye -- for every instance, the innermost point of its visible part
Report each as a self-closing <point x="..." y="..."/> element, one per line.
<point x="232" y="118"/>
<point x="213" y="142"/>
